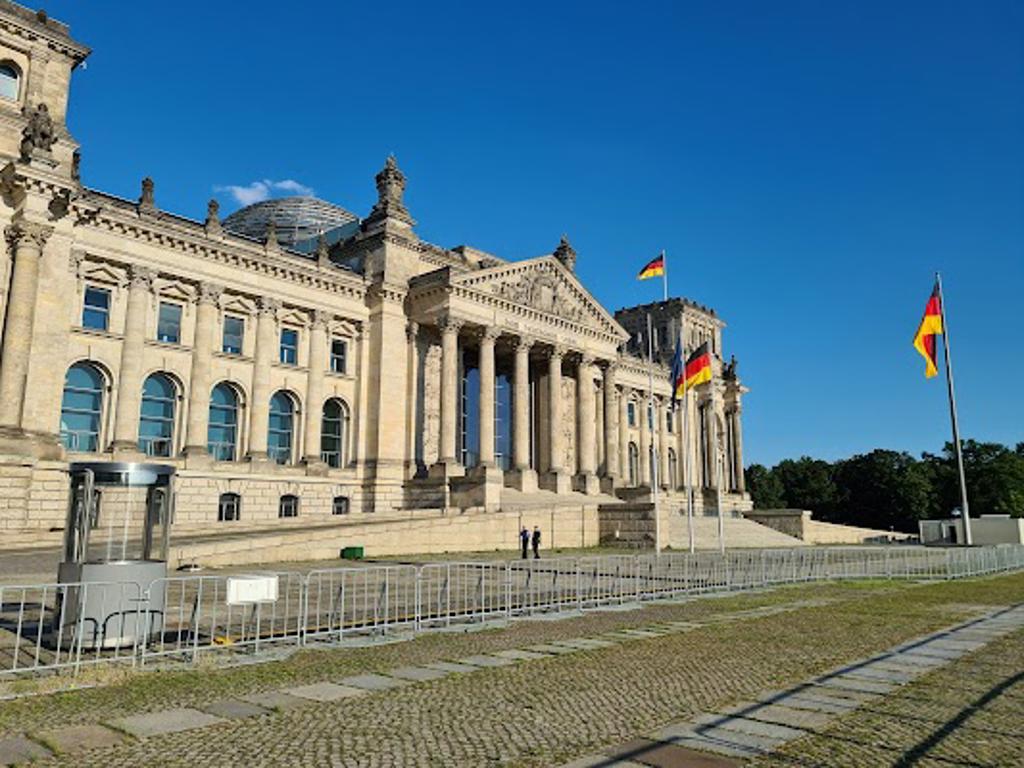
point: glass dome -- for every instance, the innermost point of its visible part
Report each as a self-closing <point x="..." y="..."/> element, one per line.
<point x="296" y="219"/>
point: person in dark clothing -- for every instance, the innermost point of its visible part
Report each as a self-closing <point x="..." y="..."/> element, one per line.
<point x="536" y="542"/>
<point x="524" y="539"/>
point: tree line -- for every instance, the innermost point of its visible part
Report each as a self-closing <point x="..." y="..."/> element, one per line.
<point x="891" y="489"/>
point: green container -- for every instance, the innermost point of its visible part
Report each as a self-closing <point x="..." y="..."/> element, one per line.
<point x="352" y="553"/>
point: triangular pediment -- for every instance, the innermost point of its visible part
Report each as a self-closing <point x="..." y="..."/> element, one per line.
<point x="543" y="284"/>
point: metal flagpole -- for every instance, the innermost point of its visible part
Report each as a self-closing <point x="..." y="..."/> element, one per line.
<point x="664" y="273"/>
<point x="687" y="479"/>
<point x="650" y="425"/>
<point x="964" y="511"/>
<point x="718" y="465"/>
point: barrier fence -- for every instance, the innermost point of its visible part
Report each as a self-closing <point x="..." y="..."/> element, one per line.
<point x="49" y="627"/>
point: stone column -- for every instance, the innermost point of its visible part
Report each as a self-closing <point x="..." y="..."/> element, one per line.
<point x="450" y="327"/>
<point x="661" y="414"/>
<point x="737" y="436"/>
<point x="263" y="358"/>
<point x="586" y="418"/>
<point x="486" y="401"/>
<point x="524" y="478"/>
<point x="645" y="442"/>
<point x="315" y="390"/>
<point x="557" y="479"/>
<point x="624" y="396"/>
<point x="26" y="239"/>
<point x="199" y="383"/>
<point x="611" y="438"/>
<point x="129" y="384"/>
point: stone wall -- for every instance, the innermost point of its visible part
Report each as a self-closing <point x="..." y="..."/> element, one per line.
<point x="798" y="523"/>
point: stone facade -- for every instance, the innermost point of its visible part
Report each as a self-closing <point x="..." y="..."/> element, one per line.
<point x="376" y="374"/>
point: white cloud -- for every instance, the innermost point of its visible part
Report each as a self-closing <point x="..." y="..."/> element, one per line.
<point x="264" y="189"/>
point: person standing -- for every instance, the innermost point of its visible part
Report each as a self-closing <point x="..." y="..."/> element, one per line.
<point x="536" y="542"/>
<point x="524" y="540"/>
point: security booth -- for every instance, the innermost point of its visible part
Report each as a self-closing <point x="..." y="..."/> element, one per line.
<point x="115" y="553"/>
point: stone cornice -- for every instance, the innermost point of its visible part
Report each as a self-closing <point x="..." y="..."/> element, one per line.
<point x="32" y="30"/>
<point x="185" y="236"/>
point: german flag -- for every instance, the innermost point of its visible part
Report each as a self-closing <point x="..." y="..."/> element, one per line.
<point x="931" y="326"/>
<point x="655" y="268"/>
<point x="698" y="367"/>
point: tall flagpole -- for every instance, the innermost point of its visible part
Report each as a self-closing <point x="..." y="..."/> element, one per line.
<point x="964" y="511"/>
<point x="687" y="486"/>
<point x="664" y="273"/>
<point x="650" y="425"/>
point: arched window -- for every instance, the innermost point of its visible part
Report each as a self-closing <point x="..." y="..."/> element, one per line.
<point x="333" y="432"/>
<point x="288" y="506"/>
<point x="229" y="507"/>
<point x="634" y="465"/>
<point x="81" y="410"/>
<point x="672" y="481"/>
<point x="222" y="432"/>
<point x="10" y="81"/>
<point x="156" y="417"/>
<point x="281" y="431"/>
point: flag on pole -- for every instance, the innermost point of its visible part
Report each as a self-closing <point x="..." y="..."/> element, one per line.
<point x="676" y="377"/>
<point x="654" y="268"/>
<point x="698" y="368"/>
<point x="931" y="326"/>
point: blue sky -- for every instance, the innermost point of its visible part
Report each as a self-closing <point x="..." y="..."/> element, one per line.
<point x="806" y="165"/>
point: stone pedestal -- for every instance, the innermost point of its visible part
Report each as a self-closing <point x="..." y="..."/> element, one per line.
<point x="558" y="481"/>
<point x="524" y="480"/>
<point x="588" y="483"/>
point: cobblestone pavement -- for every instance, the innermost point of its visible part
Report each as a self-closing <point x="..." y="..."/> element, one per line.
<point x="530" y="712"/>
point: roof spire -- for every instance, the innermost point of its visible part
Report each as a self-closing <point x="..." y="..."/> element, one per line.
<point x="390" y="190"/>
<point x="566" y="254"/>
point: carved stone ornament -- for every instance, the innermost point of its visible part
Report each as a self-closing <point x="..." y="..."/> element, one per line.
<point x="543" y="291"/>
<point x="209" y="293"/>
<point x="449" y="324"/>
<point x="322" y="252"/>
<point x="141" y="277"/>
<point x="268" y="306"/>
<point x="566" y="254"/>
<point x="729" y="371"/>
<point x="39" y="134"/>
<point x="390" y="190"/>
<point x="523" y="344"/>
<point x="212" y="222"/>
<point x="27" y="232"/>
<point x="76" y="166"/>
<point x="320" y="318"/>
<point x="271" y="237"/>
<point x="147" y="200"/>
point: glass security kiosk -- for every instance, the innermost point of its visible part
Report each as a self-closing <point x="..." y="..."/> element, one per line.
<point x="115" y="552"/>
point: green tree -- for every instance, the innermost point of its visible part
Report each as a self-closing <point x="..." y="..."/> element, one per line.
<point x="883" y="489"/>
<point x="765" y="488"/>
<point x="994" y="475"/>
<point x="807" y="484"/>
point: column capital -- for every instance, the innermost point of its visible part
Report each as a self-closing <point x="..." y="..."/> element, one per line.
<point x="556" y="351"/>
<point x="487" y="333"/>
<point x="412" y="330"/>
<point x="609" y="368"/>
<point x="450" y="324"/>
<point x="586" y="360"/>
<point x="267" y="306"/>
<point x="523" y="343"/>
<point x="209" y="293"/>
<point x="141" y="277"/>
<point x="320" y="318"/>
<point x="29" y="232"/>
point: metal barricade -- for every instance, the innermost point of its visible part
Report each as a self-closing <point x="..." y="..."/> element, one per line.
<point x="461" y="592"/>
<point x="360" y="600"/>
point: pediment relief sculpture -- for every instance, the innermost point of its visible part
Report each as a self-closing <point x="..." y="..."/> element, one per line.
<point x="544" y="291"/>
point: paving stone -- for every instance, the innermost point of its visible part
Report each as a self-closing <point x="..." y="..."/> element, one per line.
<point x="754" y="727"/>
<point x="277" y="701"/>
<point x="486" y="661"/>
<point x="781" y="714"/>
<point x="324" y="692"/>
<point x="419" y="674"/>
<point x="451" y="666"/>
<point x="588" y="644"/>
<point x="75" y="738"/>
<point x="879" y="673"/>
<point x="718" y="740"/>
<point x="601" y="761"/>
<point x="234" y="709"/>
<point x="19" y="750"/>
<point x="860" y="685"/>
<point x="820" y="703"/>
<point x="548" y="648"/>
<point x="518" y="655"/>
<point x="373" y="682"/>
<point x="659" y="754"/>
<point x="166" y="721"/>
<point x="642" y="633"/>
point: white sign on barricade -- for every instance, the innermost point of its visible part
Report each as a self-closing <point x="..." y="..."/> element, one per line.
<point x="246" y="590"/>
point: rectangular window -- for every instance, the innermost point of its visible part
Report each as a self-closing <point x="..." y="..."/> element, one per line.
<point x="339" y="352"/>
<point x="168" y="327"/>
<point x="288" y="506"/>
<point x="289" y="346"/>
<point x="96" y="309"/>
<point x="631" y="414"/>
<point x="340" y="505"/>
<point x="229" y="507"/>
<point x="234" y="332"/>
